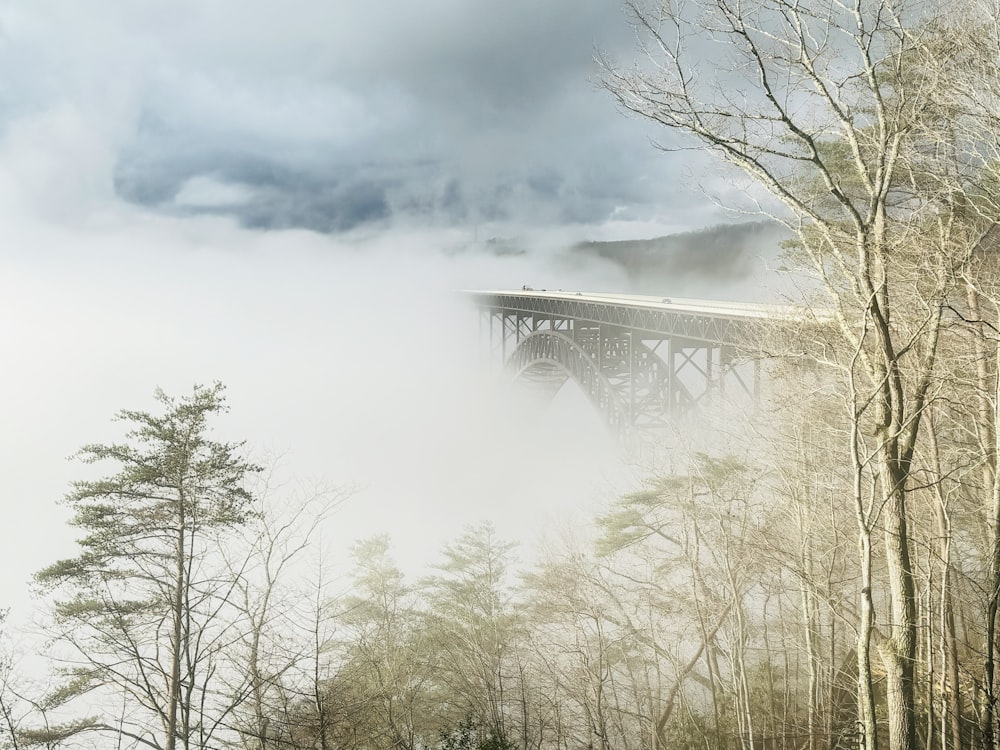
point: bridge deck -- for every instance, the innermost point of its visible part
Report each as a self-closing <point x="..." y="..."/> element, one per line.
<point x="655" y="317"/>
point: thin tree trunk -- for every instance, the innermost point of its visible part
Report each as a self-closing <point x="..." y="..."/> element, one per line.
<point x="668" y="705"/>
<point x="989" y="417"/>
<point x="866" y="611"/>
<point x="812" y="657"/>
<point x="928" y="657"/>
<point x="951" y="698"/>
<point x="175" y="645"/>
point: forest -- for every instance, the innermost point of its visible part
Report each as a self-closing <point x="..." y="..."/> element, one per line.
<point x="714" y="608"/>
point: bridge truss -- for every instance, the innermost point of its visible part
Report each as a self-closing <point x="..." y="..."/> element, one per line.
<point x="642" y="361"/>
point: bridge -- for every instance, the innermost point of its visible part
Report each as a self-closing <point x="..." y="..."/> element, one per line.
<point x="642" y="361"/>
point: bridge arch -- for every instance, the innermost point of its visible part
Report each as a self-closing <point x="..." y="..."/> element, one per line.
<point x="553" y="357"/>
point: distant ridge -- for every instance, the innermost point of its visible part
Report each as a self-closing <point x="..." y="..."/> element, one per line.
<point x="726" y="253"/>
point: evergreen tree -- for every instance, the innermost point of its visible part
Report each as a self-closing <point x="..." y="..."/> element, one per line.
<point x="142" y="607"/>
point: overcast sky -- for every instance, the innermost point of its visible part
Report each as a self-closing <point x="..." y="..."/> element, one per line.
<point x="285" y="197"/>
<point x="341" y="115"/>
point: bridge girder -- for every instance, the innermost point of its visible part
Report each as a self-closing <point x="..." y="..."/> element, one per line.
<point x="641" y="368"/>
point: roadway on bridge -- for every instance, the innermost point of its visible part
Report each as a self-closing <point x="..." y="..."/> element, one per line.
<point x="678" y="304"/>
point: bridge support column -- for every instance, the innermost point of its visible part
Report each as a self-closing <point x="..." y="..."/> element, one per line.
<point x="670" y="395"/>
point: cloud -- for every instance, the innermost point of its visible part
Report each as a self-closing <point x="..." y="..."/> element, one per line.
<point x="207" y="192"/>
<point x="341" y="115"/>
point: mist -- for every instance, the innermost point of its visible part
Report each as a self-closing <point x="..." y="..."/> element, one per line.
<point x="354" y="360"/>
<point x="198" y="198"/>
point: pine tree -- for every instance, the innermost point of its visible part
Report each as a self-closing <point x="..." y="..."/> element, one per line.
<point x="141" y="608"/>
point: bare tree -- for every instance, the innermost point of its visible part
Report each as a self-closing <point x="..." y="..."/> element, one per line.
<point x="268" y="568"/>
<point x="9" y="720"/>
<point x="843" y="113"/>
<point x="699" y="534"/>
<point x="384" y="647"/>
<point x="472" y="625"/>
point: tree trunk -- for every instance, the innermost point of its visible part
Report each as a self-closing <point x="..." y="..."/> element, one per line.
<point x="951" y="698"/>
<point x="866" y="692"/>
<point x="989" y="438"/>
<point x="899" y="649"/>
<point x="174" y="697"/>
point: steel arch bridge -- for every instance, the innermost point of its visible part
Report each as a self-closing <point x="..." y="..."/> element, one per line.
<point x="642" y="361"/>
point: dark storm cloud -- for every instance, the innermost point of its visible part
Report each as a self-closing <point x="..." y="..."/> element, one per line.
<point x="277" y="195"/>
